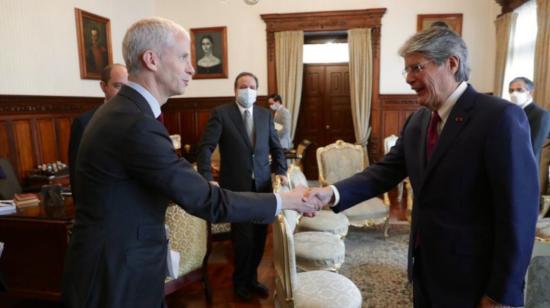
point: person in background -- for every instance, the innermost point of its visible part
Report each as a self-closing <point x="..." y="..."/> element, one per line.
<point x="246" y="137"/>
<point x="128" y="171"/>
<point x="472" y="169"/>
<point x="521" y="94"/>
<point x="282" y="120"/>
<point x="113" y="77"/>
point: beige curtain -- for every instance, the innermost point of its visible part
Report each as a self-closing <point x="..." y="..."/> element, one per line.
<point x="289" y="46"/>
<point x="360" y="79"/>
<point x="542" y="55"/>
<point x="504" y="25"/>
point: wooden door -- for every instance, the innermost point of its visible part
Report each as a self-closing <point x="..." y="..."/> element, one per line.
<point x="325" y="111"/>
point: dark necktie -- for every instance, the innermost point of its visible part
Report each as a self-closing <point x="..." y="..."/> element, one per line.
<point x="433" y="135"/>
<point x="160" y="118"/>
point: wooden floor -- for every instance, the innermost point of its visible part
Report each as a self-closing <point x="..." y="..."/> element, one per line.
<point x="219" y="273"/>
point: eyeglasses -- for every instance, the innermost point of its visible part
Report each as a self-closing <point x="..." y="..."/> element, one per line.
<point x="415" y="68"/>
<point x="520" y="90"/>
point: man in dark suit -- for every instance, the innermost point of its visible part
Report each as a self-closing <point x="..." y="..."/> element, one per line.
<point x="474" y="178"/>
<point x="246" y="137"/>
<point x="128" y="170"/>
<point x="113" y="77"/>
<point x="521" y="94"/>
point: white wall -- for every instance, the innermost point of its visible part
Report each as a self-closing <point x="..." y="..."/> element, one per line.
<point x="39" y="49"/>
<point x="39" y="53"/>
<point x="247" y="38"/>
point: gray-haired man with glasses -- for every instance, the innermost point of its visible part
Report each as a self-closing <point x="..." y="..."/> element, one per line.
<point x="474" y="177"/>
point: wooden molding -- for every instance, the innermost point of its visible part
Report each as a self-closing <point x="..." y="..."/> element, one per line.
<point x="31" y="104"/>
<point x="509" y="5"/>
<point x="323" y="21"/>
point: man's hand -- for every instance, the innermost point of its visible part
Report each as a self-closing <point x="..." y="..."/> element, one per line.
<point x="487" y="302"/>
<point x="295" y="200"/>
<point x="283" y="178"/>
<point x="323" y="195"/>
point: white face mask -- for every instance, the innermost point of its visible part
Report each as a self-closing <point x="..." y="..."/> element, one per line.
<point x="275" y="106"/>
<point x="246" y="97"/>
<point x="520" y="98"/>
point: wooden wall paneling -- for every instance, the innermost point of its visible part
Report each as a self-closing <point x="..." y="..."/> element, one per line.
<point x="47" y="141"/>
<point x="63" y="133"/>
<point x="36" y="129"/>
<point x="24" y="147"/>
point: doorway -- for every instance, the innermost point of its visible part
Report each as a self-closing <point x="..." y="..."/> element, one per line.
<point x="325" y="111"/>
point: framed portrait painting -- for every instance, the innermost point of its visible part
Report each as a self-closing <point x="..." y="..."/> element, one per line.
<point x="209" y="52"/>
<point x="93" y="34"/>
<point x="452" y="21"/>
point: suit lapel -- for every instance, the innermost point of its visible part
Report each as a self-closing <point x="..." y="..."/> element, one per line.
<point x="458" y="119"/>
<point x="237" y="119"/>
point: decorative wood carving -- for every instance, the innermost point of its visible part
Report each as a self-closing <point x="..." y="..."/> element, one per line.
<point x="510" y="5"/>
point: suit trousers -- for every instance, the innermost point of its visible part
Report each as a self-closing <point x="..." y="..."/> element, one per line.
<point x="248" y="249"/>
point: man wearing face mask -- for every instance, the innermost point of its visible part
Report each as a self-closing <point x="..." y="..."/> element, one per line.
<point x="246" y="137"/>
<point x="521" y="94"/>
<point x="282" y="119"/>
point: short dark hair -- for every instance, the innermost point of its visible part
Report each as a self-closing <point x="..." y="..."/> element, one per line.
<point x="209" y="37"/>
<point x="439" y="23"/>
<point x="276" y="97"/>
<point x="106" y="72"/>
<point x="528" y="83"/>
<point x="242" y="74"/>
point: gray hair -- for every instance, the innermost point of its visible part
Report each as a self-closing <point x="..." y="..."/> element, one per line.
<point x="438" y="44"/>
<point x="153" y="33"/>
<point x="529" y="85"/>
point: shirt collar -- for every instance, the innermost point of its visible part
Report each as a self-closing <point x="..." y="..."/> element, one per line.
<point x="448" y="105"/>
<point x="242" y="109"/>
<point x="151" y="100"/>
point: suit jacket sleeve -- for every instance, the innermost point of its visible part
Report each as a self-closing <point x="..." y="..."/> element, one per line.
<point x="208" y="143"/>
<point x="374" y="180"/>
<point x="77" y="130"/>
<point x="514" y="192"/>
<point x="278" y="160"/>
<point x="152" y="159"/>
<point x="286" y="122"/>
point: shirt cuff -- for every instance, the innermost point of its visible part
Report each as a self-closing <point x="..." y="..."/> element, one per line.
<point x="279" y="204"/>
<point x="336" y="196"/>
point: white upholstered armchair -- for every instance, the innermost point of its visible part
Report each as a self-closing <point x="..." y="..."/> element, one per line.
<point x="341" y="160"/>
<point x="311" y="289"/>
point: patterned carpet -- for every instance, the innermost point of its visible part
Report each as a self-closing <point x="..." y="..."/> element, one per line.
<point x="379" y="267"/>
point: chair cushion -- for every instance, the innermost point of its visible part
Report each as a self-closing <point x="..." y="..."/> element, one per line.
<point x="318" y="251"/>
<point x="537" y="294"/>
<point x="543" y="229"/>
<point x="188" y="236"/>
<point x="325" y="221"/>
<point x="321" y="289"/>
<point x="371" y="209"/>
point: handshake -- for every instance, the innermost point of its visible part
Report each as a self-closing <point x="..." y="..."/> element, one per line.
<point x="306" y="200"/>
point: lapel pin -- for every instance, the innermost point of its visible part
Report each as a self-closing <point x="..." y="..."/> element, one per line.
<point x="459" y="119"/>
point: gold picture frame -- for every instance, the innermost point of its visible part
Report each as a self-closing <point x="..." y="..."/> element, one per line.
<point x="93" y="34"/>
<point x="452" y="21"/>
<point x="209" y="52"/>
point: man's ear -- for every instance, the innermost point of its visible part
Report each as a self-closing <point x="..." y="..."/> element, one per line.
<point x="103" y="86"/>
<point x="454" y="62"/>
<point x="150" y="60"/>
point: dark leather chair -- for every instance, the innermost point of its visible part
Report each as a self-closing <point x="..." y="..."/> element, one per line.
<point x="9" y="185"/>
